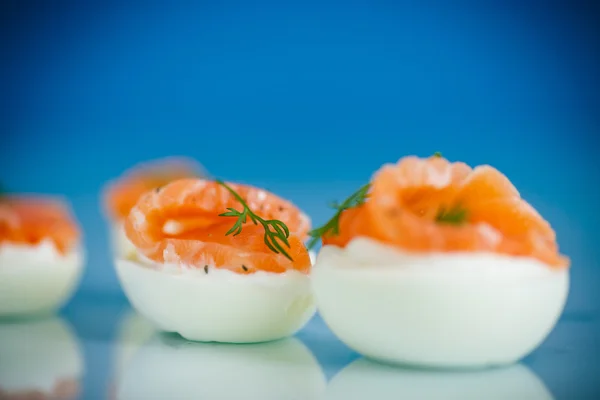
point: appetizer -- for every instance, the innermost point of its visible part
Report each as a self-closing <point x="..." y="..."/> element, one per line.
<point x="39" y="359"/>
<point x="122" y="194"/>
<point x="218" y="262"/>
<point x="41" y="256"/>
<point x="167" y="367"/>
<point x="438" y="264"/>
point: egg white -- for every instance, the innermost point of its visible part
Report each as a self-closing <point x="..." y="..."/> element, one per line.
<point x="313" y="257"/>
<point x="121" y="246"/>
<point x="220" y="305"/>
<point x="167" y="367"/>
<point x="36" y="355"/>
<point x="439" y="309"/>
<point x="364" y="379"/>
<point x="37" y="279"/>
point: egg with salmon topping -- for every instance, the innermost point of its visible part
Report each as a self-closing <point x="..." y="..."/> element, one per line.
<point x="212" y="275"/>
<point x="41" y="255"/>
<point x="441" y="265"/>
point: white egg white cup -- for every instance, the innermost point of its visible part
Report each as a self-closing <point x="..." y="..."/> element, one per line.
<point x="33" y="284"/>
<point x="440" y="310"/>
<point x="121" y="246"/>
<point x="313" y="257"/>
<point x="218" y="306"/>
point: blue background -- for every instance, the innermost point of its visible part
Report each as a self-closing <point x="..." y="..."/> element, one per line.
<point x="330" y="90"/>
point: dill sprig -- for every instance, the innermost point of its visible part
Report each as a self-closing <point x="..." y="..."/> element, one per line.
<point x="456" y="215"/>
<point x="332" y="227"/>
<point x="276" y="232"/>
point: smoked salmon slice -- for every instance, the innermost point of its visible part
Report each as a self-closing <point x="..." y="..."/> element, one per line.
<point x="433" y="205"/>
<point x="31" y="219"/>
<point x="181" y="223"/>
<point x="122" y="194"/>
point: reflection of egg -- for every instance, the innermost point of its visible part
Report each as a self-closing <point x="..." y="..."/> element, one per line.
<point x="170" y="368"/>
<point x="134" y="331"/>
<point x="39" y="356"/>
<point x="36" y="278"/>
<point x="444" y="310"/>
<point x="366" y="380"/>
<point x="218" y="305"/>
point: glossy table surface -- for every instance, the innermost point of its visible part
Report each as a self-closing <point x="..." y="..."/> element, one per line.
<point x="99" y="348"/>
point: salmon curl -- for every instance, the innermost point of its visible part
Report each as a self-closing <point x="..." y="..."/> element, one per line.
<point x="433" y="205"/>
<point x="179" y="223"/>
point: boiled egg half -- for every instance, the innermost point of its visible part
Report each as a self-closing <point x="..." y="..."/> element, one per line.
<point x="37" y="278"/>
<point x="442" y="310"/>
<point x="217" y="304"/>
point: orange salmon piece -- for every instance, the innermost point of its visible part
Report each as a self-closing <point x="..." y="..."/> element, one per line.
<point x="32" y="219"/>
<point x="350" y="225"/>
<point x="511" y="216"/>
<point x="180" y="223"/>
<point x="121" y="195"/>
<point x="407" y="202"/>
<point x="486" y="183"/>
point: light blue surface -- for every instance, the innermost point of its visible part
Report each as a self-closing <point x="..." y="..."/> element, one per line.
<point x="117" y="348"/>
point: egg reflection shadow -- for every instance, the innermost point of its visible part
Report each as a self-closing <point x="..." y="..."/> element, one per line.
<point x="364" y="379"/>
<point x="134" y="331"/>
<point x="168" y="367"/>
<point x="39" y="359"/>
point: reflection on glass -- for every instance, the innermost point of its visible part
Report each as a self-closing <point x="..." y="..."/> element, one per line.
<point x="168" y="367"/>
<point x="39" y="359"/>
<point x="364" y="379"/>
<point x="134" y="331"/>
